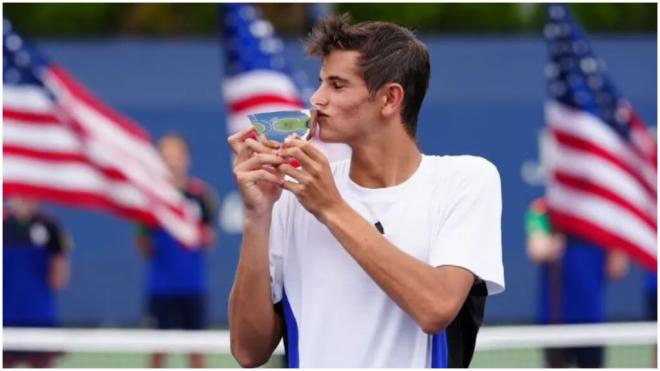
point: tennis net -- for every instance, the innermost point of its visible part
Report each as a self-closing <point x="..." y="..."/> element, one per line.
<point x="629" y="344"/>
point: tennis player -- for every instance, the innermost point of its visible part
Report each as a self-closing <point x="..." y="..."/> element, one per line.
<point x="382" y="260"/>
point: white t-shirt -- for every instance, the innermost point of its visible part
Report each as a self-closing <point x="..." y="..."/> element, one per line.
<point x="447" y="213"/>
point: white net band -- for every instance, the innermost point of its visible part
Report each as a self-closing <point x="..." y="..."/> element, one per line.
<point x="145" y="341"/>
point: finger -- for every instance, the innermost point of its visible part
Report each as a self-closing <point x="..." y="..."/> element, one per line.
<point x="235" y="140"/>
<point x="258" y="161"/>
<point x="261" y="175"/>
<point x="259" y="147"/>
<point x="271" y="168"/>
<point x="244" y="153"/>
<point x="292" y="187"/>
<point x="294" y="173"/>
<point x="308" y="148"/>
<point x="252" y="134"/>
<point x="270" y="143"/>
<point x="298" y="154"/>
<point x="313" y="124"/>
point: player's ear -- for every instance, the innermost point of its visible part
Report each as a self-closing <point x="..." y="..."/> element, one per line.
<point x="392" y="98"/>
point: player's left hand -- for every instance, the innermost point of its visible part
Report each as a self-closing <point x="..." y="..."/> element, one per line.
<point x="314" y="185"/>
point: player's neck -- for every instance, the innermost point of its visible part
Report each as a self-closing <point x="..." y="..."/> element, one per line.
<point x="385" y="164"/>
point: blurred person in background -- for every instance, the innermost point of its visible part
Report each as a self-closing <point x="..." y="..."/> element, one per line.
<point x="574" y="273"/>
<point x="381" y="260"/>
<point x="177" y="284"/>
<point x="651" y="305"/>
<point x="35" y="266"/>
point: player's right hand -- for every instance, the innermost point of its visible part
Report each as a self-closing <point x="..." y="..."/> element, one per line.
<point x="259" y="182"/>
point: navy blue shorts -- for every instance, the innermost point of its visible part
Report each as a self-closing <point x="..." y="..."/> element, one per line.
<point x="186" y="312"/>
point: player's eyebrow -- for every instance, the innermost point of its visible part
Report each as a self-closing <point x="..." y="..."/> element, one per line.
<point x="335" y="78"/>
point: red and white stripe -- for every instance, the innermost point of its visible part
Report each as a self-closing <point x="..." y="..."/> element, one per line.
<point x="599" y="186"/>
<point x="79" y="152"/>
<point x="258" y="91"/>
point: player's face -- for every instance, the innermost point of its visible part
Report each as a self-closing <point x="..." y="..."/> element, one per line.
<point x="346" y="109"/>
<point x="175" y="154"/>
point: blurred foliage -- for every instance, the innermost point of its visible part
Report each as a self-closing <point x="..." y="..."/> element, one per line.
<point x="428" y="17"/>
<point x="173" y="19"/>
<point x="505" y="17"/>
<point x="100" y="19"/>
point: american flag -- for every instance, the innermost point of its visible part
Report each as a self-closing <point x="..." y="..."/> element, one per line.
<point x="602" y="167"/>
<point x="257" y="76"/>
<point x="62" y="144"/>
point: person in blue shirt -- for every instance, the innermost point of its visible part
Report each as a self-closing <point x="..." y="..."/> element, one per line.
<point x="35" y="266"/>
<point x="176" y="274"/>
<point x="574" y="273"/>
<point x="651" y="302"/>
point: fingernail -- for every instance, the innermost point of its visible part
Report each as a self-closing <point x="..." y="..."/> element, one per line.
<point x="294" y="163"/>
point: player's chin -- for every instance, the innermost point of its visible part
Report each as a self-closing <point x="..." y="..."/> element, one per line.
<point x="328" y="136"/>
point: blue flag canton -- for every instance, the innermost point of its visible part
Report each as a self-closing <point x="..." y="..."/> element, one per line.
<point x="21" y="64"/>
<point x="250" y="41"/>
<point x="576" y="77"/>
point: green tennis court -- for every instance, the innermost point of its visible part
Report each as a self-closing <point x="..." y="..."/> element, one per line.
<point x="617" y="357"/>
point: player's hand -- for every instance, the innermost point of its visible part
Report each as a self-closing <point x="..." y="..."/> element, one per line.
<point x="255" y="171"/>
<point x="237" y="140"/>
<point x="314" y="185"/>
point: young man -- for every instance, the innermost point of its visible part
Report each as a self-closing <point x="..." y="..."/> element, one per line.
<point x="177" y="282"/>
<point x="383" y="260"/>
<point x="35" y="266"/>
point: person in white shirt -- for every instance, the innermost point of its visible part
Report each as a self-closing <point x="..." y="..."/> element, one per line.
<point x="382" y="260"/>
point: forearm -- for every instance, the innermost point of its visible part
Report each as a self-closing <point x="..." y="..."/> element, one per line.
<point x="417" y="287"/>
<point x="255" y="327"/>
<point x="59" y="272"/>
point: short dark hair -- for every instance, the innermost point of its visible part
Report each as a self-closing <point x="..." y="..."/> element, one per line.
<point x="388" y="53"/>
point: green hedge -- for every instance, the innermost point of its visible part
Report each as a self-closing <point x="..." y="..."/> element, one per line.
<point x="153" y="19"/>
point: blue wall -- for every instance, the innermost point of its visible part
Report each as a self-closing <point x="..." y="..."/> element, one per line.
<point x="485" y="98"/>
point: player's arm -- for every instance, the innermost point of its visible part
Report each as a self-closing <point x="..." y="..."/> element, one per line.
<point x="255" y="327"/>
<point x="432" y="296"/>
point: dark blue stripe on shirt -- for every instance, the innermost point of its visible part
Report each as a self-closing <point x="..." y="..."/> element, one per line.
<point x="439" y="351"/>
<point x="292" y="334"/>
